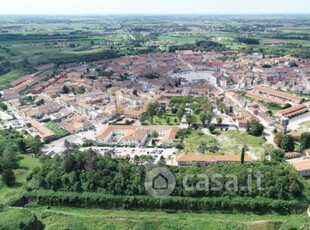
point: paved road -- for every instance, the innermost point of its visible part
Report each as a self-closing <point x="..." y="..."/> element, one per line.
<point x="78" y="138"/>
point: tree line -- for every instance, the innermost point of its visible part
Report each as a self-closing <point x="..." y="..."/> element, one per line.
<point x="77" y="171"/>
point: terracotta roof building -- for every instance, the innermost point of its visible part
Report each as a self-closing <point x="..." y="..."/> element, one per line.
<point x="303" y="167"/>
<point x="136" y="135"/>
<point x="185" y="160"/>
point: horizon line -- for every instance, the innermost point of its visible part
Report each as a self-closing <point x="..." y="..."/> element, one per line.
<point x="155" y="14"/>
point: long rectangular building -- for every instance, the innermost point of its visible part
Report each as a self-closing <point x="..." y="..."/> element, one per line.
<point x="260" y="97"/>
<point x="36" y="128"/>
<point x="136" y="135"/>
<point x="187" y="160"/>
<point x="293" y="111"/>
<point x="280" y="95"/>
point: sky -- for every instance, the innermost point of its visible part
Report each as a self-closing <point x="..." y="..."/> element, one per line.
<point x="72" y="7"/>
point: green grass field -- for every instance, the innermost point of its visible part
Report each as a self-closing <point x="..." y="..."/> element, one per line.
<point x="27" y="164"/>
<point x="71" y="218"/>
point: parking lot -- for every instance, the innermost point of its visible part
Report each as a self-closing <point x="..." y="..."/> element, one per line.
<point x="154" y="153"/>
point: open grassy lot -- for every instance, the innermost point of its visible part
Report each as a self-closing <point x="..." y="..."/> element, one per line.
<point x="231" y="143"/>
<point x="71" y="218"/>
<point x="27" y="164"/>
<point x="193" y="141"/>
<point x="304" y="127"/>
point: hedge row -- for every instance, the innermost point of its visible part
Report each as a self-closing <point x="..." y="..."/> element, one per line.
<point x="149" y="203"/>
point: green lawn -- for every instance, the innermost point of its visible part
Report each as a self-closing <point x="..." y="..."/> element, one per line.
<point x="162" y="121"/>
<point x="72" y="218"/>
<point x="27" y="164"/>
<point x="59" y="131"/>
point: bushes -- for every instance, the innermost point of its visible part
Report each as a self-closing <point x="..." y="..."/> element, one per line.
<point x="19" y="219"/>
<point x="226" y="204"/>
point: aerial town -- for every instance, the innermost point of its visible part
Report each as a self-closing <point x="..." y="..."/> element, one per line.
<point x="106" y="102"/>
<point x="154" y="121"/>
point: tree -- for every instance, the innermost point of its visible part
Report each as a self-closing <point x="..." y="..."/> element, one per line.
<point x="65" y="90"/>
<point x="136" y="159"/>
<point x="244" y="148"/>
<point x="203" y="118"/>
<point x="277" y="154"/>
<point x="255" y="128"/>
<point x="209" y="118"/>
<point x="305" y="141"/>
<point x="287" y="143"/>
<point x="135" y="92"/>
<point x="180" y="113"/>
<point x="8" y="177"/>
<point x="9" y="158"/>
<point x="80" y="90"/>
<point x="190" y="120"/>
<point x="221" y="107"/>
<point x="202" y="148"/>
<point x="168" y="120"/>
<point x="152" y="108"/>
<point x="219" y="120"/>
<point x="287" y="105"/>
<point x="3" y="106"/>
<point x="155" y="134"/>
<point x="162" y="161"/>
<point x="211" y="128"/>
<point x="277" y="139"/>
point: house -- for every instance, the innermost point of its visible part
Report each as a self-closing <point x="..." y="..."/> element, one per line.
<point x="84" y="108"/>
<point x="134" y="114"/>
<point x="76" y="123"/>
<point x="38" y="129"/>
<point x="204" y="160"/>
<point x="9" y="94"/>
<point x="302" y="167"/>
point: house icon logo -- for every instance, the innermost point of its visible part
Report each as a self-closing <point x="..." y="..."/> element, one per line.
<point x="159" y="182"/>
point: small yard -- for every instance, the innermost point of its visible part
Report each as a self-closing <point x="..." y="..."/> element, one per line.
<point x="173" y="120"/>
<point x="59" y="131"/>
